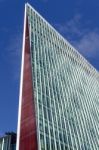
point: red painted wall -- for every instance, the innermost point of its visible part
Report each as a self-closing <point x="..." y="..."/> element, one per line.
<point x="28" y="133"/>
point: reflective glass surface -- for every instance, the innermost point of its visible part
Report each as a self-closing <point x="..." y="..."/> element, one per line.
<point x="66" y="90"/>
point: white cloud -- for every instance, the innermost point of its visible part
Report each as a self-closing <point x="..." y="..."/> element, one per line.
<point x="84" y="39"/>
<point x="71" y="27"/>
<point x="88" y="45"/>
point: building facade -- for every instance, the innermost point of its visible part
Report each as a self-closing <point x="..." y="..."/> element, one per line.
<point x="8" y="141"/>
<point x="59" y="92"/>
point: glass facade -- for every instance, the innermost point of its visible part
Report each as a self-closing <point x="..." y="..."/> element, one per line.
<point x="66" y="90"/>
<point x="8" y="142"/>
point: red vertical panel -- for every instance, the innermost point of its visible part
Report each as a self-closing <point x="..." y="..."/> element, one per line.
<point x="28" y="134"/>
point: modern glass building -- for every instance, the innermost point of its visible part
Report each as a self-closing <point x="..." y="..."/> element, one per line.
<point x="59" y="92"/>
<point x="8" y="141"/>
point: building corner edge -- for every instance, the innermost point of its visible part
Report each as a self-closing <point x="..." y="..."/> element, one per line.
<point x="21" y="82"/>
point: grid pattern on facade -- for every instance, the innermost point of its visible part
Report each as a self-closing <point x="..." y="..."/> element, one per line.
<point x="7" y="142"/>
<point x="66" y="90"/>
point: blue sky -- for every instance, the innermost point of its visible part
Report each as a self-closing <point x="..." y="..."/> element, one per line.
<point x="76" y="20"/>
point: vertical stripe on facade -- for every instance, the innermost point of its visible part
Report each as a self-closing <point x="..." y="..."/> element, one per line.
<point x="28" y="133"/>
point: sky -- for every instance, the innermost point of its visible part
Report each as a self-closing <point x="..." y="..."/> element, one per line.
<point x="76" y="20"/>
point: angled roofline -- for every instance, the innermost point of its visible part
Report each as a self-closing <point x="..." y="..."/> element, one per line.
<point x="90" y="66"/>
